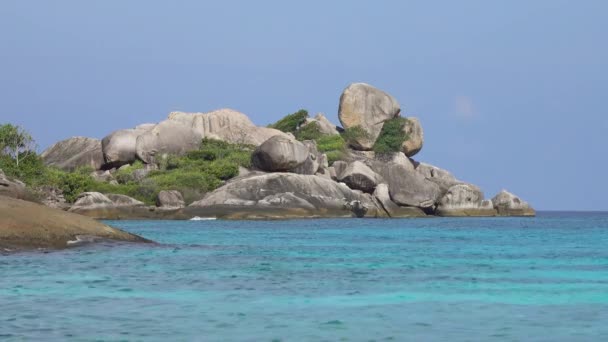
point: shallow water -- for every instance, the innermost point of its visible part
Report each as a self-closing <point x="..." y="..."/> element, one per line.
<point x="484" y="279"/>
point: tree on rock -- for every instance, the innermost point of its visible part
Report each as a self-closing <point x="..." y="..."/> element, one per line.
<point x="16" y="143"/>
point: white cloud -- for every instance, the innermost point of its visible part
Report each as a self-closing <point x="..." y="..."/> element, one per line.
<point x="464" y="109"/>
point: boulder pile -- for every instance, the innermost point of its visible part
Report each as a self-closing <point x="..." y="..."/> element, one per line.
<point x="289" y="178"/>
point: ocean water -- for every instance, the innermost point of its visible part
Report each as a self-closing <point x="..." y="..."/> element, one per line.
<point x="457" y="279"/>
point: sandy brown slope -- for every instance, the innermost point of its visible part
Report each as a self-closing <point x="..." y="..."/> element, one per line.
<point x="26" y="225"/>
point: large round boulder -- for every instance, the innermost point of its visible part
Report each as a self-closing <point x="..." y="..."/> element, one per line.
<point x="382" y="195"/>
<point x="359" y="176"/>
<point x="413" y="130"/>
<point x="120" y="147"/>
<point x="73" y="153"/>
<point x="410" y="188"/>
<point x="280" y="154"/>
<point x="363" y="106"/>
<point x="168" y="137"/>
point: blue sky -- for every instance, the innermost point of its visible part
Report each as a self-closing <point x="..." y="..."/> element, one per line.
<point x="511" y="94"/>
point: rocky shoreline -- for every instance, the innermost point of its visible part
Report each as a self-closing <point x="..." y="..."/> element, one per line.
<point x="288" y="177"/>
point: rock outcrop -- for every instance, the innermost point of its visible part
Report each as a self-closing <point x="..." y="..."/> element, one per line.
<point x="464" y="200"/>
<point x="392" y="209"/>
<point x="283" y="195"/>
<point x="119" y="207"/>
<point x="359" y="176"/>
<point x="413" y="144"/>
<point x="362" y="105"/>
<point x="410" y="188"/>
<point x="72" y="153"/>
<point x="226" y="125"/>
<point x="507" y="204"/>
<point x="168" y="137"/>
<point x="279" y="154"/>
<point x="323" y="124"/>
<point x="120" y="147"/>
<point x="170" y="199"/>
<point x="11" y="188"/>
<point x="27" y="225"/>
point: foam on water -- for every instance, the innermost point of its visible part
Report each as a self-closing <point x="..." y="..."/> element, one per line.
<point x="544" y="278"/>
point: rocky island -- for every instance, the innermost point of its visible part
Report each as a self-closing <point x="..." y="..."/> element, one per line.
<point x="219" y="164"/>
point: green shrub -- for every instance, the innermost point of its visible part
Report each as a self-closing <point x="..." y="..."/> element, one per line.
<point x="352" y="134"/>
<point x="309" y="132"/>
<point x="391" y="137"/>
<point x="331" y="143"/>
<point x="291" y="122"/>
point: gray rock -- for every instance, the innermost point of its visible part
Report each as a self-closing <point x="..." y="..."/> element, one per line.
<point x="226" y="125"/>
<point x="415" y="140"/>
<point x="444" y="179"/>
<point x="120" y="147"/>
<point x="280" y="154"/>
<point x="367" y="107"/>
<point x="464" y="200"/>
<point x="508" y="204"/>
<point x="52" y="197"/>
<point x="73" y="153"/>
<point x="311" y="165"/>
<point x="410" y="188"/>
<point x="359" y="176"/>
<point x="11" y="188"/>
<point x="119" y="200"/>
<point x="170" y="199"/>
<point x="282" y="195"/>
<point x="168" y="137"/>
<point x="119" y="207"/>
<point x="323" y="124"/>
<point x="27" y="225"/>
<point x="393" y="210"/>
<point x="339" y="166"/>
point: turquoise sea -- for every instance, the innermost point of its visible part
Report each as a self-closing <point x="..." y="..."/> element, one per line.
<point x="457" y="279"/>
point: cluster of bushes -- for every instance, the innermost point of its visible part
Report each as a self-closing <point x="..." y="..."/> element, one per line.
<point x="332" y="145"/>
<point x="391" y="137"/>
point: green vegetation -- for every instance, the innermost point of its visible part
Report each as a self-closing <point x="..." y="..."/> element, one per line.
<point x="352" y="134"/>
<point x="291" y="122"/>
<point x="391" y="137"/>
<point x="193" y="174"/>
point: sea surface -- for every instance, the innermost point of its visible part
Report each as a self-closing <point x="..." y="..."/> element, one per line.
<point x="456" y="279"/>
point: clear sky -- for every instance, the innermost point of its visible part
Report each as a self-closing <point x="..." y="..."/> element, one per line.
<point x="511" y="94"/>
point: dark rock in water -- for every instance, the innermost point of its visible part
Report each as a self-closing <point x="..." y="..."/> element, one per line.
<point x="27" y="225"/>
<point x="72" y="153"/>
<point x="507" y="204"/>
<point x="283" y="195"/>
